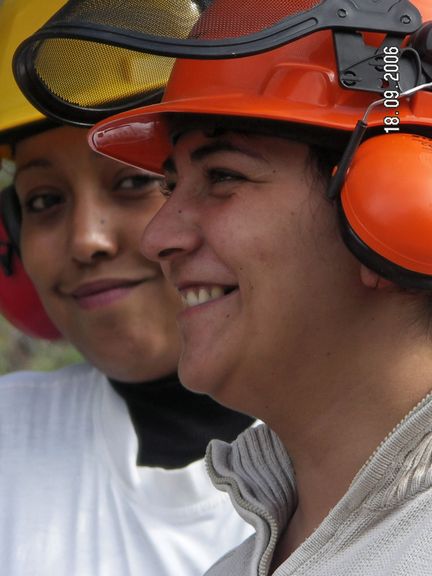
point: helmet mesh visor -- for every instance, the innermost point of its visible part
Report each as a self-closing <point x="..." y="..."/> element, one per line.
<point x="93" y="75"/>
<point x="91" y="57"/>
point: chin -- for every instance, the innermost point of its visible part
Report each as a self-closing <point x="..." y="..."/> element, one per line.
<point x="191" y="381"/>
<point x="207" y="378"/>
<point x="196" y="376"/>
<point x="114" y="370"/>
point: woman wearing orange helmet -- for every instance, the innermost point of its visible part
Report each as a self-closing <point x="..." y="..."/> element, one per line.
<point x="102" y="466"/>
<point x="330" y="347"/>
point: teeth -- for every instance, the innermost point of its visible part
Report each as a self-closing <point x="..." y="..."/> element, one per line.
<point x="216" y="292"/>
<point x="195" y="296"/>
<point x="192" y="299"/>
<point x="203" y="296"/>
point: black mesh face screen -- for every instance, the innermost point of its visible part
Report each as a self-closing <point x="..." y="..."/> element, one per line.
<point x="169" y="18"/>
<point x="94" y="58"/>
<point x="242" y="20"/>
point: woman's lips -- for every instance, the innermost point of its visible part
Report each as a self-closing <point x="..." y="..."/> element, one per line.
<point x="104" y="292"/>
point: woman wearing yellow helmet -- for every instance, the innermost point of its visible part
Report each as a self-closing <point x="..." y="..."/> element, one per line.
<point x="102" y="463"/>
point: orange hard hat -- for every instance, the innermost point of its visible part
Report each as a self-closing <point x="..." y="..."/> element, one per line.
<point x="297" y="83"/>
<point x="305" y="84"/>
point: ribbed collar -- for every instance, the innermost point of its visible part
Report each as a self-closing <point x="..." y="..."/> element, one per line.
<point x="259" y="474"/>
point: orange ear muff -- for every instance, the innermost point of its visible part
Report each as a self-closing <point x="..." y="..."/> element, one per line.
<point x="385" y="208"/>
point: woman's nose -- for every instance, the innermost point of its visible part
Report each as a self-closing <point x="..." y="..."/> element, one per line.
<point x="173" y="232"/>
<point x="92" y="233"/>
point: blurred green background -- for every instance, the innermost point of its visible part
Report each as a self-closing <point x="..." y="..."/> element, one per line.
<point x="19" y="352"/>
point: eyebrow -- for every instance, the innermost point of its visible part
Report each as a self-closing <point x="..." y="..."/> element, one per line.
<point x="34" y="163"/>
<point x="209" y="149"/>
<point x="45" y="163"/>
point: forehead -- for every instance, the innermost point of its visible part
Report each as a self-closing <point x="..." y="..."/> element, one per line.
<point x="63" y="150"/>
<point x="51" y="142"/>
<point x="197" y="143"/>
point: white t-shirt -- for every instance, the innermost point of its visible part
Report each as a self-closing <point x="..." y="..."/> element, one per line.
<point x="73" y="501"/>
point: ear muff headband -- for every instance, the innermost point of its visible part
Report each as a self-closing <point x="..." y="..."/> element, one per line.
<point x="10" y="212"/>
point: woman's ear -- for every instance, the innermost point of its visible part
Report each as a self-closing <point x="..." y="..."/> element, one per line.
<point x="371" y="279"/>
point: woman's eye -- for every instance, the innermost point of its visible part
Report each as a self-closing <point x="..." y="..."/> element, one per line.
<point x="223" y="183"/>
<point x="220" y="175"/>
<point x="42" y="202"/>
<point x="213" y="176"/>
<point x="139" y="181"/>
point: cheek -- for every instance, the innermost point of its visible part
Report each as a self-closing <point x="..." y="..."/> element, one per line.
<point x="168" y="304"/>
<point x="137" y="220"/>
<point x="283" y="243"/>
<point x="39" y="257"/>
<point x="252" y="230"/>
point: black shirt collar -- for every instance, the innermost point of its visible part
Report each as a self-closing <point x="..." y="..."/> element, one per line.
<point x="174" y="425"/>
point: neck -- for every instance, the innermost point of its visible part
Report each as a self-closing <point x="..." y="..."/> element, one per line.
<point x="342" y="404"/>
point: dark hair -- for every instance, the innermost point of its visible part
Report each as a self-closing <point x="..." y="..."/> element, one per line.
<point x="323" y="161"/>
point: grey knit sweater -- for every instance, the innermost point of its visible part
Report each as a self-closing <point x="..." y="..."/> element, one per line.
<point x="381" y="527"/>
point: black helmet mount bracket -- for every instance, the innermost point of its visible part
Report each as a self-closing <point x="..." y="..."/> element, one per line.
<point x="361" y="67"/>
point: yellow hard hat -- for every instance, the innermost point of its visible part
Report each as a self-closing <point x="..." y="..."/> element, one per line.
<point x="19" y="301"/>
<point x="76" y="69"/>
<point x="18" y="19"/>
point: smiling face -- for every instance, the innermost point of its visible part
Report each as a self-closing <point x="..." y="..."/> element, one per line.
<point x="83" y="217"/>
<point x="249" y="240"/>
